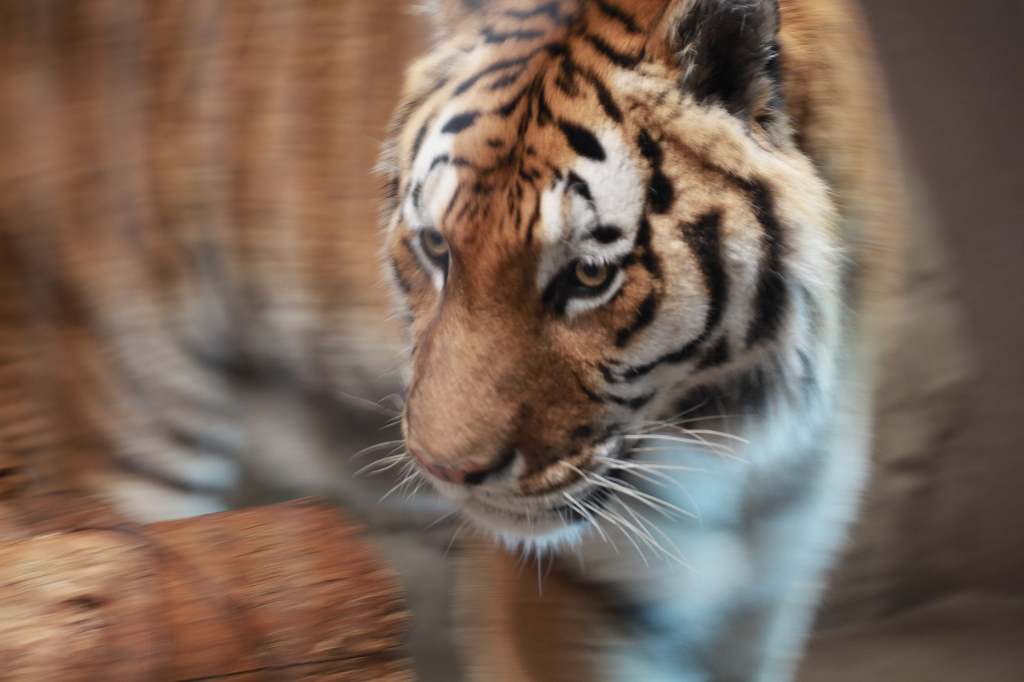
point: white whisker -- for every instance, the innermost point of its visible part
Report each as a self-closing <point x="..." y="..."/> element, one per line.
<point x="374" y="448"/>
<point x="651" y="501"/>
<point x="622" y="525"/>
<point x="645" y="466"/>
<point x="455" y="534"/>
<point x="579" y="506"/>
<point x="409" y="477"/>
<point x="438" y="521"/>
<point x="650" y="525"/>
<point x="381" y="465"/>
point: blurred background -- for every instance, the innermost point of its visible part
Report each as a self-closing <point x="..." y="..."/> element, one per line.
<point x="941" y="515"/>
<point x="932" y="586"/>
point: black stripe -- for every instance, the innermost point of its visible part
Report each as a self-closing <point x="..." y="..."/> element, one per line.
<point x="544" y="115"/>
<point x="418" y="140"/>
<point x="626" y="61"/>
<point x="608" y="374"/>
<point x="674" y="358"/>
<point x="644" y="317"/>
<point x="493" y="68"/>
<point x="582" y="140"/>
<point x="451" y="203"/>
<point x="437" y="161"/>
<point x="660" y="193"/>
<point x="746" y="393"/>
<point x="717" y="356"/>
<point x="604" y="97"/>
<point x="631" y="403"/>
<point x="605" y="234"/>
<point x="580" y="186"/>
<point x="534" y="219"/>
<point x="391" y="192"/>
<point x="647" y="258"/>
<point x="618" y="14"/>
<point x="459" y="122"/>
<point x="509" y="107"/>
<point x="403" y="283"/>
<point x="497" y="37"/>
<point x="593" y="397"/>
<point x="704" y="239"/>
<point x="770" y="302"/>
<point x="505" y="81"/>
<point x="549" y="8"/>
<point x="566" y="79"/>
<point x="582" y="432"/>
<point x="417" y="194"/>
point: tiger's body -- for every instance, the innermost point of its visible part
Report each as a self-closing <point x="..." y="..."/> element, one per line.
<point x="188" y="232"/>
<point x="639" y="243"/>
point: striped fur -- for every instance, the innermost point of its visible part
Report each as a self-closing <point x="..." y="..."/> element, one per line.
<point x="688" y="150"/>
<point x="188" y="249"/>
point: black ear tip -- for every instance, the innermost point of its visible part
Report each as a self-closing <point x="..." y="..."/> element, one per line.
<point x="729" y="48"/>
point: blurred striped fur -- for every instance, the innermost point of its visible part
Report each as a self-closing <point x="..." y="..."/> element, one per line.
<point x="189" y="245"/>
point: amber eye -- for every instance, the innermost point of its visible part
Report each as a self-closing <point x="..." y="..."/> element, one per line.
<point x="592" y="275"/>
<point x="435" y="248"/>
<point x="434" y="243"/>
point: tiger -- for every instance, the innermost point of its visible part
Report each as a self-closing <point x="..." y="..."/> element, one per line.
<point x="638" y="247"/>
<point x="625" y="243"/>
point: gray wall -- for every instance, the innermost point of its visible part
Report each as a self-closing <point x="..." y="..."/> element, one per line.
<point x="956" y="72"/>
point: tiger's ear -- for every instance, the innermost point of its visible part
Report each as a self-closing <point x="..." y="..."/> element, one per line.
<point x="727" y="52"/>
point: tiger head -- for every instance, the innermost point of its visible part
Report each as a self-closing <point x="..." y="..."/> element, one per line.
<point x="597" y="211"/>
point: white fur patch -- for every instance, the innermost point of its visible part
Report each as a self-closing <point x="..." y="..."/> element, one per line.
<point x="616" y="188"/>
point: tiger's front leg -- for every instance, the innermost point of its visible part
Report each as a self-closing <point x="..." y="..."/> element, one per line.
<point x="794" y="540"/>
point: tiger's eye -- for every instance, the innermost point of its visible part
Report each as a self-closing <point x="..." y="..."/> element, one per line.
<point x="592" y="275"/>
<point x="434" y="243"/>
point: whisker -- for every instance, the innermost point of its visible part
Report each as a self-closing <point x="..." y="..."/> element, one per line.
<point x="583" y="510"/>
<point x="618" y="523"/>
<point x="651" y="426"/>
<point x="415" y="490"/>
<point x="381" y="465"/>
<point x="714" y="447"/>
<point x="438" y="521"/>
<point x="651" y="501"/>
<point x="409" y="477"/>
<point x="646" y="466"/>
<point x="659" y="477"/>
<point x="374" y="448"/>
<point x="713" y="432"/>
<point x="366" y="403"/>
<point x="650" y="525"/>
<point x="455" y="534"/>
<point x="395" y="398"/>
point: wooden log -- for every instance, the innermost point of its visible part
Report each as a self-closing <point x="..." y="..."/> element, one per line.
<point x="275" y="593"/>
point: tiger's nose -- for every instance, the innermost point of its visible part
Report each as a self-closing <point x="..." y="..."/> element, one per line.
<point x="467" y="476"/>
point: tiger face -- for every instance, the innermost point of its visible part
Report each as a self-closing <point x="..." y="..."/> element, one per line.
<point x="597" y="211"/>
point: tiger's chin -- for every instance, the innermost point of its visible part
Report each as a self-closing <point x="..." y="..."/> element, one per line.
<point x="536" y="531"/>
<point x="533" y="533"/>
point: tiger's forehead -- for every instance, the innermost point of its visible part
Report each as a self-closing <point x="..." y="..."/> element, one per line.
<point x="555" y="166"/>
<point x="521" y="110"/>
